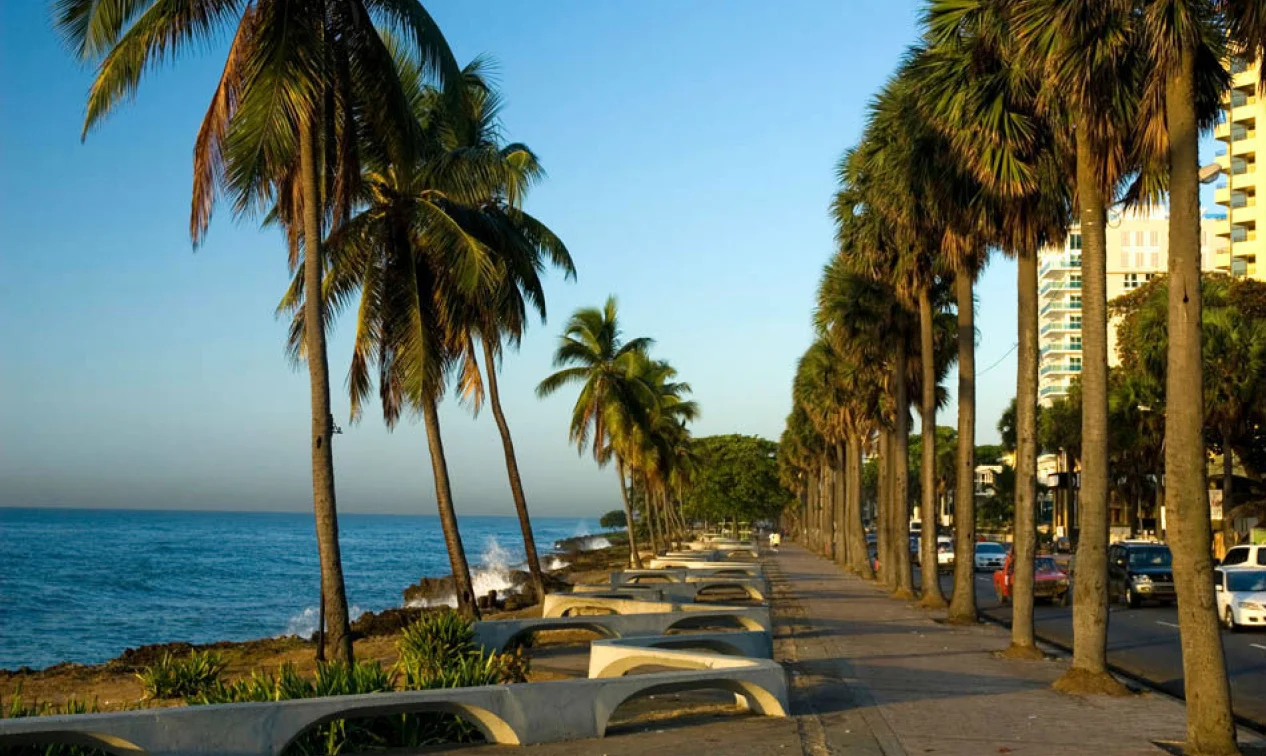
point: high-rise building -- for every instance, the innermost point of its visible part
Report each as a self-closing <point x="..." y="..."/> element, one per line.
<point x="1242" y="111"/>
<point x="1137" y="249"/>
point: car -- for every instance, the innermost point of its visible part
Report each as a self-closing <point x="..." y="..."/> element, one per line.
<point x="1141" y="571"/>
<point x="990" y="556"/>
<point x="944" y="554"/>
<point x="1249" y="554"/>
<point x="1049" y="581"/>
<point x="1241" y="594"/>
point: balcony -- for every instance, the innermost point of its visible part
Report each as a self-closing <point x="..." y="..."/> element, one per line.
<point x="1052" y="392"/>
<point x="1061" y="263"/>
<point x="1061" y="368"/>
<point x="1059" y="307"/>
<point x="1058" y="327"/>
<point x="1063" y="348"/>
<point x="1055" y="287"/>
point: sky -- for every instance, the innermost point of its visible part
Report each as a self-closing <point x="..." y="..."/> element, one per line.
<point x="690" y="150"/>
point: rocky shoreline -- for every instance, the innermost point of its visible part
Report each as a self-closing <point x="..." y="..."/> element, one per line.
<point x="113" y="683"/>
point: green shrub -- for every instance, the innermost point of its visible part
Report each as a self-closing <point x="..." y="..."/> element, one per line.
<point x="182" y="678"/>
<point x="436" y="640"/>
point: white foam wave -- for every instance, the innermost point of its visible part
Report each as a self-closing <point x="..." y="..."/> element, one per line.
<point x="555" y="564"/>
<point x="431" y="603"/>
<point x="593" y="543"/>
<point x="304" y="624"/>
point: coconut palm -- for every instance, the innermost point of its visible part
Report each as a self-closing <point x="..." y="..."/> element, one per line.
<point x="593" y="354"/>
<point x="288" y="93"/>
<point x="520" y="246"/>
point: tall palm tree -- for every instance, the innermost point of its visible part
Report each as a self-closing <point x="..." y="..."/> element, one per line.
<point x="298" y="82"/>
<point x="976" y="92"/>
<point x="593" y="354"/>
<point x="1185" y="48"/>
<point x="520" y="245"/>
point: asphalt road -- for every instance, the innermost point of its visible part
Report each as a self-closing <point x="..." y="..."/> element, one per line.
<point x="1144" y="643"/>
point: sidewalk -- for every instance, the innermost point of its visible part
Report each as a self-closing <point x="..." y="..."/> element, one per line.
<point x="874" y="676"/>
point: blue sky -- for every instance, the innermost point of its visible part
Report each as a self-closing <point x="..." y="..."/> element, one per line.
<point x="690" y="149"/>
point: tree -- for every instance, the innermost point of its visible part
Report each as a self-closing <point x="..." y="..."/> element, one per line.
<point x="736" y="477"/>
<point x="613" y="520"/>
<point x="272" y="113"/>
<point x="593" y="354"/>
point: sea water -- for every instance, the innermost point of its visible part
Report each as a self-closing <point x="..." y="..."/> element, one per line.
<point x="83" y="585"/>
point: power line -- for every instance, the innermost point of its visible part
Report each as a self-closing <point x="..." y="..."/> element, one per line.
<point x="999" y="361"/>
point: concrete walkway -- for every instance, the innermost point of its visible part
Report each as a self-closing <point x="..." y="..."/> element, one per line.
<point x="871" y="675"/>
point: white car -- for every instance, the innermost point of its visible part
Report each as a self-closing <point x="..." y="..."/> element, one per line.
<point x="1248" y="554"/>
<point x="990" y="556"/>
<point x="944" y="554"/>
<point x="1241" y="593"/>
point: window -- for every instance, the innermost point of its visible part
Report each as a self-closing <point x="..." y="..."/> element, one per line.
<point x="1261" y="557"/>
<point x="1125" y="257"/>
<point x="1125" y="238"/>
<point x="1138" y="259"/>
<point x="1074" y="342"/>
<point x="1153" y="238"/>
<point x="1153" y="260"/>
<point x="1074" y="241"/>
<point x="1075" y="322"/>
<point x="1074" y="281"/>
<point x="1074" y="301"/>
<point x="1138" y="238"/>
<point x="1074" y="364"/>
<point x="1237" y="555"/>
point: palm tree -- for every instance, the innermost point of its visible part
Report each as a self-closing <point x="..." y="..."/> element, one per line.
<point x="520" y="246"/>
<point x="287" y="94"/>
<point x="593" y="354"/>
<point x="975" y="90"/>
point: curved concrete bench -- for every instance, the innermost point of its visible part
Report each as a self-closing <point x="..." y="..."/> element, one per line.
<point x="616" y="657"/>
<point x="497" y="635"/>
<point x="506" y="714"/>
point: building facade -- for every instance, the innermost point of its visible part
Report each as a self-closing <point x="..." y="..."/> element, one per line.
<point x="1137" y="250"/>
<point x="1241" y="143"/>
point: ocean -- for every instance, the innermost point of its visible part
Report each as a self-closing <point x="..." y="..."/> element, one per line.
<point x="80" y="585"/>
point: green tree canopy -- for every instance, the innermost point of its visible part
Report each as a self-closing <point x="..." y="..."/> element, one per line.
<point x="736" y="476"/>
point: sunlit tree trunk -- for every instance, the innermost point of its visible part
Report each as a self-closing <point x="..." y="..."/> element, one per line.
<point x="448" y="515"/>
<point x="333" y="591"/>
<point x="1210" y="727"/>
<point x="841" y="507"/>
<point x="962" y="609"/>
<point x="512" y="471"/>
<point x="858" y="554"/>
<point x="635" y="558"/>
<point x="901" y="478"/>
<point x="883" y="511"/>
<point x="1023" y="642"/>
<point x="1090" y="589"/>
<point x="933" y="598"/>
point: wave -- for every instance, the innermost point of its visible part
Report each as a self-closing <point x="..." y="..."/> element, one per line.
<point x="492" y="574"/>
<point x="304" y="624"/>
<point x="555" y="564"/>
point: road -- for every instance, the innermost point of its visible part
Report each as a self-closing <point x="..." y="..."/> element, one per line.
<point x="1144" y="642"/>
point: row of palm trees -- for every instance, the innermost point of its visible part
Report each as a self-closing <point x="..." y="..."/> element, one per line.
<point x="1009" y="120"/>
<point x="349" y="125"/>
<point x="632" y="410"/>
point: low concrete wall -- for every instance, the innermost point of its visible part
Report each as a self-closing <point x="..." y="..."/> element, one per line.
<point x="612" y="658"/>
<point x="507" y="714"/>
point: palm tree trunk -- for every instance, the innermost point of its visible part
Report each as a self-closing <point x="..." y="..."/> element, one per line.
<point x="930" y="581"/>
<point x="1228" y="464"/>
<point x="1090" y="589"/>
<point x="1210" y="728"/>
<point x="1023" y="642"/>
<point x="841" y="508"/>
<point x="652" y="528"/>
<point x="856" y="531"/>
<point x="635" y="558"/>
<point x="333" y="591"/>
<point x="512" y="470"/>
<point x="883" y="518"/>
<point x="901" y="477"/>
<point x="962" y="609"/>
<point x="448" y="515"/>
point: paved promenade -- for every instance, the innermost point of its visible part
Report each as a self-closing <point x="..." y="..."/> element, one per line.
<point x="870" y="675"/>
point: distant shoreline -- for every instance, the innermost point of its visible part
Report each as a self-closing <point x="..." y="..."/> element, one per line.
<point x="199" y="510"/>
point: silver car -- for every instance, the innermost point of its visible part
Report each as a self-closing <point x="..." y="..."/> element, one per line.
<point x="990" y="556"/>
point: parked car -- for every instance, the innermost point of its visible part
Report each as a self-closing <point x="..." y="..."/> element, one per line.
<point x="1049" y="581"/>
<point x="944" y="554"/>
<point x="1249" y="554"/>
<point x="1140" y="571"/>
<point x="990" y="556"/>
<point x="1241" y="594"/>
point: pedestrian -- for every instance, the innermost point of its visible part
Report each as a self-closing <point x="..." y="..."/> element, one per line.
<point x="775" y="540"/>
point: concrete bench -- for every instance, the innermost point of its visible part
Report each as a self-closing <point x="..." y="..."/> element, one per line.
<point x="498" y="635"/>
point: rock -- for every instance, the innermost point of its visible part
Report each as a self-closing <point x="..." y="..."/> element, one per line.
<point x="431" y="590"/>
<point x="386" y="622"/>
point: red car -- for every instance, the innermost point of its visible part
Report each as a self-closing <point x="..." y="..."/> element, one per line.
<point x="1049" y="581"/>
